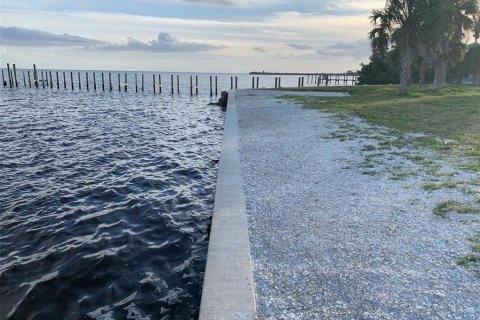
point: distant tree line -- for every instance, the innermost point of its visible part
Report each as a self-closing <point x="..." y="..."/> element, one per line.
<point x="423" y="41"/>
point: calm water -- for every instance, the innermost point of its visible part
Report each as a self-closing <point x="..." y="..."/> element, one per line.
<point x="106" y="198"/>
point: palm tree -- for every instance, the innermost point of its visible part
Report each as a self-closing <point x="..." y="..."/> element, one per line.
<point x="476" y="28"/>
<point x="396" y="25"/>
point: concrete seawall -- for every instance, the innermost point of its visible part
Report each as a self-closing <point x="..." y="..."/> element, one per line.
<point x="228" y="290"/>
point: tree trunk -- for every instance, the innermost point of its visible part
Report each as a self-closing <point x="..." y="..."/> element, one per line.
<point x="406" y="60"/>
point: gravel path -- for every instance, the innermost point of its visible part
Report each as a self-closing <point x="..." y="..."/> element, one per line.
<point x="330" y="242"/>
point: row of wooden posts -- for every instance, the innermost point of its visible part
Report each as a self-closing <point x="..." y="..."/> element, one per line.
<point x="157" y="86"/>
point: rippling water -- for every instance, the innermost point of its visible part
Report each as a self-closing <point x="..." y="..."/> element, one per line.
<point x="106" y="201"/>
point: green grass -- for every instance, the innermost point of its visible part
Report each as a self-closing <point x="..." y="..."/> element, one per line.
<point x="448" y="116"/>
<point x="445" y="207"/>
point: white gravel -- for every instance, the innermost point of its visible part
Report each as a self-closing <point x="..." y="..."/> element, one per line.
<point x="331" y="242"/>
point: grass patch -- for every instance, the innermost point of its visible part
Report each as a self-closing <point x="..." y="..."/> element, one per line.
<point x="445" y="207"/>
<point x="448" y="116"/>
<point x="437" y="186"/>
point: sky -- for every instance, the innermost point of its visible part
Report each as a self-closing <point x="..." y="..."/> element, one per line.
<point x="187" y="35"/>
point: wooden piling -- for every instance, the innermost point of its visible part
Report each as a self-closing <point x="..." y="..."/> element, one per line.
<point x="142" y="82"/>
<point x="29" y="81"/>
<point x="276" y="80"/>
<point x="253" y="82"/>
<point x="216" y="86"/>
<point x="15" y="75"/>
<point x="303" y="79"/>
<point x="35" y="76"/>
<point x="64" y="81"/>
<point x="3" y="79"/>
<point x="110" y="81"/>
<point x="236" y="82"/>
<point x="178" y="84"/>
<point x="154" y="89"/>
<point x="126" y="82"/>
<point x="326" y="79"/>
<point x="9" y="75"/>
<point x="211" y="86"/>
<point x="279" y="82"/>
<point x="79" y="82"/>
<point x="94" y="82"/>
<point x="171" y="80"/>
<point x="103" y="82"/>
<point x="71" y="79"/>
<point x="231" y="83"/>
<point x="119" y="84"/>
<point x="191" y="85"/>
<point x="196" y="85"/>
<point x="159" y="83"/>
<point x="51" y="80"/>
<point x="258" y="81"/>
<point x="86" y="79"/>
<point x="58" y="81"/>
<point x="43" y="82"/>
<point x="299" y="82"/>
<point x="136" y="85"/>
<point x="24" y="80"/>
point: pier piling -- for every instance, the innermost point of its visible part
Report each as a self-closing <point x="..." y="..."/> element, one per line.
<point x="236" y="83"/>
<point x="15" y="75"/>
<point x="142" y="82"/>
<point x="258" y="81"/>
<point x="154" y="89"/>
<point x="171" y="80"/>
<point x="43" y="82"/>
<point x="178" y="84"/>
<point x="86" y="81"/>
<point x="9" y="75"/>
<point x="196" y="85"/>
<point x="211" y="86"/>
<point x="29" y="81"/>
<point x="58" y="81"/>
<point x="51" y="80"/>
<point x="71" y="79"/>
<point x="126" y="82"/>
<point x="159" y="83"/>
<point x="216" y="86"/>
<point x="136" y="84"/>
<point x="24" y="80"/>
<point x="79" y="82"/>
<point x="64" y="81"/>
<point x="191" y="85"/>
<point x="110" y="81"/>
<point x="35" y="76"/>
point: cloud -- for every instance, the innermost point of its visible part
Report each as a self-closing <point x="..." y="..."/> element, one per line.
<point x="237" y="3"/>
<point x="15" y="36"/>
<point x="358" y="49"/>
<point x="215" y="2"/>
<point x="260" y="49"/>
<point x="300" y="46"/>
<point x="164" y="43"/>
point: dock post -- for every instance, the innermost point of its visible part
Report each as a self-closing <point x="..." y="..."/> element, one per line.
<point x="119" y="85"/>
<point x="196" y="85"/>
<point x="299" y="82"/>
<point x="159" y="83"/>
<point x="211" y="86"/>
<point x="136" y="84"/>
<point x="171" y="82"/>
<point x="43" y="82"/>
<point x="103" y="82"/>
<point x="191" y="85"/>
<point x="9" y="75"/>
<point x="279" y="82"/>
<point x="35" y="76"/>
<point x="29" y="81"/>
<point x="231" y="83"/>
<point x="178" y="84"/>
<point x="51" y="80"/>
<point x="71" y="78"/>
<point x="15" y="75"/>
<point x="86" y="80"/>
<point x="326" y="79"/>
<point x="64" y="81"/>
<point x="236" y="83"/>
<point x="110" y="81"/>
<point x="58" y="81"/>
<point x="216" y="86"/>
<point x="79" y="82"/>
<point x="258" y="81"/>
<point x="3" y="79"/>
<point x="253" y="82"/>
<point x="94" y="82"/>
<point x="276" y="81"/>
<point x="126" y="82"/>
<point x="143" y="81"/>
<point x="24" y="80"/>
<point x="154" y="89"/>
<point x="303" y="79"/>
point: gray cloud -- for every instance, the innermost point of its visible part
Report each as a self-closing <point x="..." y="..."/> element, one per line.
<point x="358" y="49"/>
<point x="300" y="46"/>
<point x="164" y="43"/>
<point x="260" y="49"/>
<point x="28" y="37"/>
<point x="215" y="2"/>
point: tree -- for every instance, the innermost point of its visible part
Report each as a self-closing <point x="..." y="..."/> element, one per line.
<point x="396" y="25"/>
<point x="382" y="69"/>
<point x="471" y="63"/>
<point x="476" y="28"/>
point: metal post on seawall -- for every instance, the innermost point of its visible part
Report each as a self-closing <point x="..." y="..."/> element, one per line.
<point x="216" y="86"/>
<point x="58" y="81"/>
<point x="171" y="80"/>
<point x="94" y="82"/>
<point x="110" y="81"/>
<point x="9" y="75"/>
<point x="126" y="82"/>
<point x="24" y="80"/>
<point x="154" y="89"/>
<point x="29" y="82"/>
<point x="71" y="79"/>
<point x="15" y="75"/>
<point x="86" y="81"/>
<point x="51" y="80"/>
<point x="136" y="83"/>
<point x="159" y="83"/>
<point x="236" y="83"/>
<point x="35" y="76"/>
<point x="178" y="84"/>
<point x="196" y="85"/>
<point x="191" y="85"/>
<point x="211" y="86"/>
